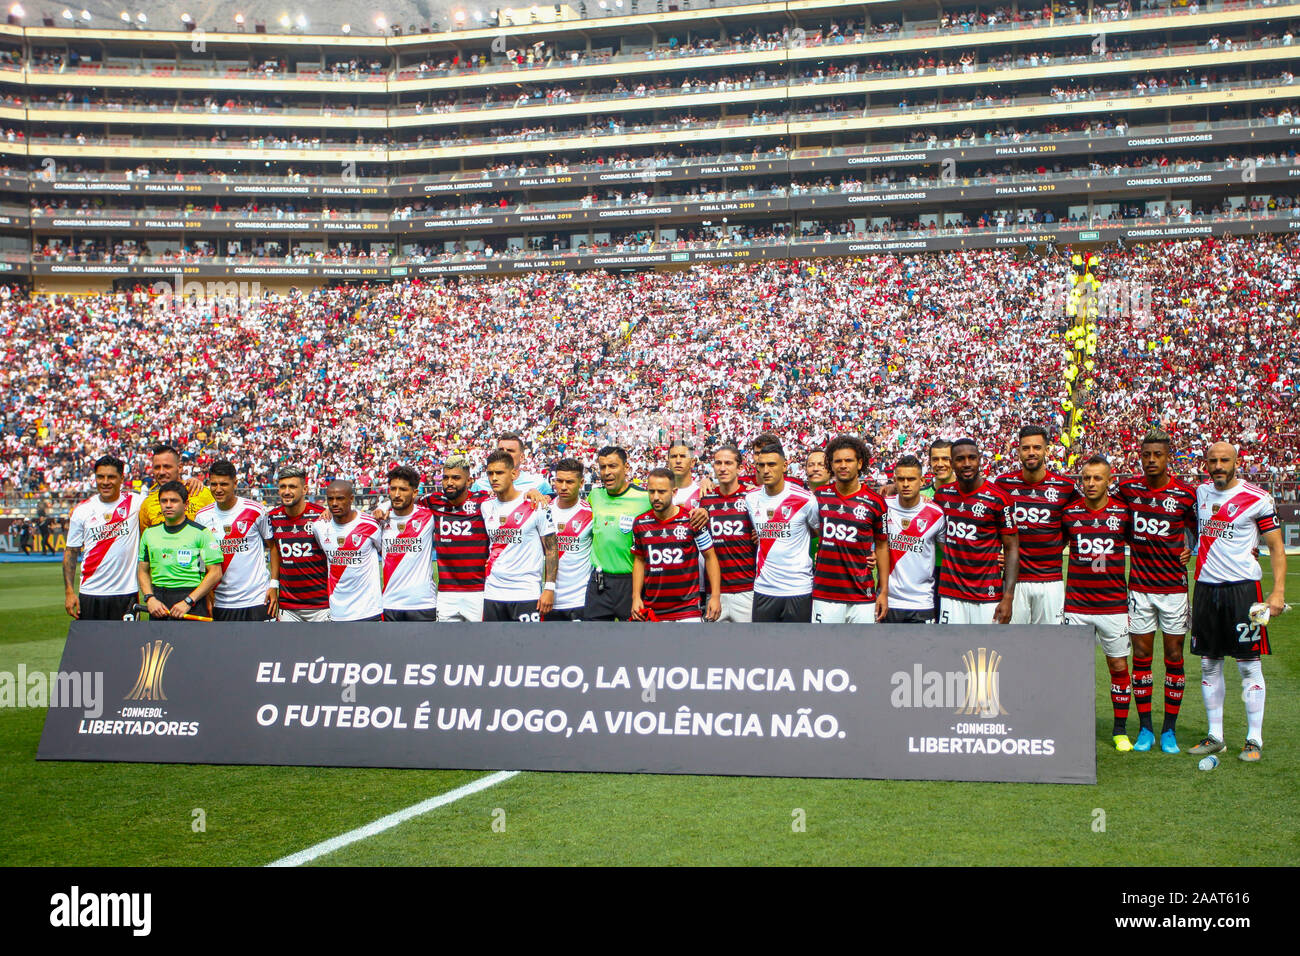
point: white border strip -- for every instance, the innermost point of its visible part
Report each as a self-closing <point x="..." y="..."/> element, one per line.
<point x="393" y="819"/>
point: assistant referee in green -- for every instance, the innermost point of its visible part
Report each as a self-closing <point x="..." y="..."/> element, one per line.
<point x="180" y="562"/>
<point x="614" y="508"/>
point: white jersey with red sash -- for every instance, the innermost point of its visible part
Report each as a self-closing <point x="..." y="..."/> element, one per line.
<point x="687" y="497"/>
<point x="109" y="531"/>
<point x="1230" y="523"/>
<point x="785" y="523"/>
<point x="241" y="534"/>
<point x="354" y="551"/>
<point x="573" y="526"/>
<point x="409" y="553"/>
<point x="913" y="533"/>
<point x="515" y="556"/>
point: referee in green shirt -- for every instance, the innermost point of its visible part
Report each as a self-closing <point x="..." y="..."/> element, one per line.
<point x="180" y="562"/>
<point x="614" y="507"/>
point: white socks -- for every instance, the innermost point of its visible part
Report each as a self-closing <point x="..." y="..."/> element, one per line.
<point x="1252" y="692"/>
<point x="1213" y="692"/>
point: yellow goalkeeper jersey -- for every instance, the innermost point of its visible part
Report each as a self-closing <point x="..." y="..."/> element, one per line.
<point x="151" y="514"/>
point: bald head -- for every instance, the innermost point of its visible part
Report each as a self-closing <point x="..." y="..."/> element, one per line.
<point x="1221" y="464"/>
<point x="1222" y="449"/>
<point x="338" y="498"/>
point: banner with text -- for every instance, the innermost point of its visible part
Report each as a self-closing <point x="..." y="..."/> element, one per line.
<point x="904" y="702"/>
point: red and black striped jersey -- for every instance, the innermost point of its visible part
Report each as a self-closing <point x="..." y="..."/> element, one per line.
<point x="671" y="552"/>
<point x="850" y="528"/>
<point x="304" y="566"/>
<point x="974" y="526"/>
<point x="733" y="538"/>
<point x="1039" y="506"/>
<point x="461" y="540"/>
<point x="1162" y="519"/>
<point x="1096" y="583"/>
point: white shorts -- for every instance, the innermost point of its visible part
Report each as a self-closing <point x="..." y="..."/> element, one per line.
<point x="1146" y="612"/>
<point x="1038" y="602"/>
<point x="687" y="620"/>
<point x="835" y="612"/>
<point x="460" y="606"/>
<point x="319" y="616"/>
<point x="952" y="611"/>
<point x="737" y="607"/>
<point x="1111" y="631"/>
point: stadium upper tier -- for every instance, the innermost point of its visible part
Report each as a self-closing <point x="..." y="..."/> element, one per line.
<point x="699" y="133"/>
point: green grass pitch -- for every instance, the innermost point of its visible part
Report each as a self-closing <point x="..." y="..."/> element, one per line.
<point x="1158" y="809"/>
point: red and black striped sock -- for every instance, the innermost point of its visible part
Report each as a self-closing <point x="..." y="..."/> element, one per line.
<point x="1175" y="681"/>
<point x="1120" y="692"/>
<point x="1142" y="684"/>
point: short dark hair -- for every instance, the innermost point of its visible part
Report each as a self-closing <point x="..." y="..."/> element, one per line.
<point x="769" y="448"/>
<point x="222" y="468"/>
<point x="851" y="442"/>
<point x="176" y="486"/>
<point x="729" y="448"/>
<point x="1096" y="460"/>
<point x="681" y="443"/>
<point x="613" y="450"/>
<point x="570" y="465"/>
<point x="164" y="450"/>
<point x="108" y="461"/>
<point x="939" y="443"/>
<point x="514" y="437"/>
<point x="964" y="441"/>
<point x="499" y="456"/>
<point x="766" y="438"/>
<point x="909" y="461"/>
<point x="407" y="474"/>
<point x="1157" y="436"/>
<point x="292" y="471"/>
<point x="660" y="473"/>
<point x="1030" y="431"/>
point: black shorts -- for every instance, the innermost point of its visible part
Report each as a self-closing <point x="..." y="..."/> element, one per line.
<point x="568" y="614"/>
<point x="613" y="602"/>
<point x="105" y="607"/>
<point x="411" y="617"/>
<point x="255" y="613"/>
<point x="524" y="612"/>
<point x="1221" y="624"/>
<point x="782" y="610"/>
<point x="908" y="617"/>
<point x="170" y="596"/>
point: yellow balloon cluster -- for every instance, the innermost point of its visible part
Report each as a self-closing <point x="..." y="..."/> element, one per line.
<point x="1082" y="339"/>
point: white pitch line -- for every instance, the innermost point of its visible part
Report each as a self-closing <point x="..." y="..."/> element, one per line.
<point x="393" y="819"/>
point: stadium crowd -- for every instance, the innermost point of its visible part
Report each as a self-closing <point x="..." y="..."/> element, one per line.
<point x="347" y="381"/>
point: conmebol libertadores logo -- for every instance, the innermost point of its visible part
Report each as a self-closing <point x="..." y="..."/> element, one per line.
<point x="138" y="721"/>
<point x="975" y="690"/>
<point x="153" y="658"/>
